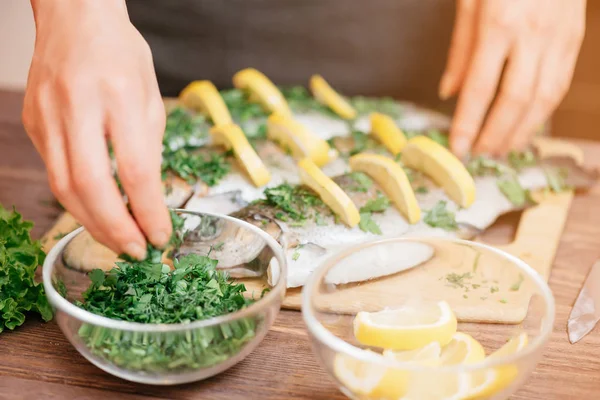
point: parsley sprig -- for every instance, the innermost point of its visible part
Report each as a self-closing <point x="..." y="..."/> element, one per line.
<point x="294" y="203"/>
<point x="440" y="217"/>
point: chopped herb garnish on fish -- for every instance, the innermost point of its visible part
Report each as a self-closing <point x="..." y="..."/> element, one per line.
<point x="184" y="129"/>
<point x="520" y="160"/>
<point x="438" y="137"/>
<point x="440" y="217"/>
<point x="296" y="255"/>
<point x="300" y="100"/>
<point x="294" y="202"/>
<point x="367" y="224"/>
<point x="384" y="105"/>
<point x="379" y="204"/>
<point x="422" y="189"/>
<point x="362" y="181"/>
<point x="512" y="189"/>
<point x="209" y="168"/>
<point x="482" y="166"/>
<point x="240" y="108"/>
<point x="517" y="285"/>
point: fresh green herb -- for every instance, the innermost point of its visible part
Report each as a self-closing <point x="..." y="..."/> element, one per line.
<point x="458" y="280"/>
<point x="189" y="166"/>
<point x="520" y="160"/>
<point x="503" y="301"/>
<point x="422" y="189"/>
<point x="240" y="108"/>
<point x="494" y="289"/>
<point x="517" y="285"/>
<point x="19" y="259"/>
<point x="367" y="224"/>
<point x="300" y="100"/>
<point x="482" y="166"/>
<point x="294" y="202"/>
<point x="385" y="105"/>
<point x="362" y="182"/>
<point x="438" y="137"/>
<point x="377" y="205"/>
<point x="296" y="255"/>
<point x="512" y="189"/>
<point x="440" y="217"/>
<point x="184" y="129"/>
<point x="319" y="219"/>
<point x="556" y="178"/>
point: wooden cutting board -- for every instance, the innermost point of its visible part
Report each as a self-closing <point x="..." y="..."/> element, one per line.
<point x="535" y="242"/>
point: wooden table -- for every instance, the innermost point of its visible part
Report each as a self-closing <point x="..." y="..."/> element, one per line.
<point x="37" y="362"/>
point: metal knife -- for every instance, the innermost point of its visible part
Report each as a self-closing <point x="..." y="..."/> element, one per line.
<point x="586" y="311"/>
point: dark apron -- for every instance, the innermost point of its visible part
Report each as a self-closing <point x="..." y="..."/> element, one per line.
<point x="369" y="47"/>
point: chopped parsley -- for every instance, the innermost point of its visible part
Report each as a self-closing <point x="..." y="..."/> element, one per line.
<point x="520" y="160"/>
<point x="294" y="203"/>
<point x="513" y="191"/>
<point x="422" y="189"/>
<point x="296" y="255"/>
<point x="482" y="166"/>
<point x="458" y="280"/>
<point x="384" y="105"/>
<point x="300" y="100"/>
<point x="150" y="292"/>
<point x="440" y="217"/>
<point x="362" y="182"/>
<point x="184" y="129"/>
<point x="377" y="205"/>
<point x="210" y="168"/>
<point x="438" y="137"/>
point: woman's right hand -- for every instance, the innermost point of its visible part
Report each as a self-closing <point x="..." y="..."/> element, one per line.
<point x="92" y="79"/>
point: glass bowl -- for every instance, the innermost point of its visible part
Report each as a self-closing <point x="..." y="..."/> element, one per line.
<point x="494" y="296"/>
<point x="166" y="354"/>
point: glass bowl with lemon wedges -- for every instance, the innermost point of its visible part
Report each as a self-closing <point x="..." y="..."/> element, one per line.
<point x="457" y="320"/>
<point x="178" y="316"/>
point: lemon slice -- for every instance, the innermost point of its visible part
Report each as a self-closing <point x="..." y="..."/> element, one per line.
<point x="361" y="377"/>
<point x="462" y="349"/>
<point x="384" y="128"/>
<point x="395" y="381"/>
<point x="406" y="328"/>
<point x="423" y="154"/>
<point x="204" y="97"/>
<point x="326" y="95"/>
<point x="232" y="138"/>
<point x="486" y="383"/>
<point x="392" y="179"/>
<point x="331" y="194"/>
<point x="293" y="136"/>
<point x="261" y="90"/>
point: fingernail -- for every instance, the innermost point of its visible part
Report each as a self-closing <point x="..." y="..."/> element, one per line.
<point x="136" y="250"/>
<point x="159" y="238"/>
<point x="444" y="91"/>
<point x="461" y="147"/>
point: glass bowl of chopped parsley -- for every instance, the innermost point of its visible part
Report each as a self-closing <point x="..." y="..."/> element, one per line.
<point x="449" y="319"/>
<point x="186" y="313"/>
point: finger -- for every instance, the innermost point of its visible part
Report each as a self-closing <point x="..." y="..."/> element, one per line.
<point x="556" y="73"/>
<point x="461" y="47"/>
<point x="479" y="88"/>
<point x="92" y="179"/>
<point x="137" y="144"/>
<point x="514" y="100"/>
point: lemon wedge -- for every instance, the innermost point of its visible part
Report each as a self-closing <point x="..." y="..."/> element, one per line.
<point x="326" y="95"/>
<point x="406" y="328"/>
<point x="232" y="138"/>
<point x="203" y="96"/>
<point x="331" y="194"/>
<point x="261" y="90"/>
<point x="385" y="130"/>
<point x="423" y="154"/>
<point x="293" y="136"/>
<point x="486" y="383"/>
<point x="361" y="377"/>
<point x="462" y="349"/>
<point x="393" y="181"/>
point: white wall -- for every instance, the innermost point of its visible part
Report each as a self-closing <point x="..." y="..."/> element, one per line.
<point x="17" y="36"/>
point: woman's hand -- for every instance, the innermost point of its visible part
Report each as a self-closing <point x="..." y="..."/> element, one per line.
<point x="539" y="40"/>
<point x="92" y="79"/>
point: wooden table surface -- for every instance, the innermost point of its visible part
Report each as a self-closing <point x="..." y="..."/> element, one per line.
<point x="37" y="362"/>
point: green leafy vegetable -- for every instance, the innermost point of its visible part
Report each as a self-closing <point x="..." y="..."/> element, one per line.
<point x="363" y="182"/>
<point x="481" y="166"/>
<point x="189" y="166"/>
<point x="439" y="137"/>
<point x="440" y="217"/>
<point x="184" y="129"/>
<point x="377" y="205"/>
<point x="520" y="160"/>
<point x="300" y="100"/>
<point x="512" y="189"/>
<point x="385" y="105"/>
<point x="19" y="259"/>
<point x="422" y="189"/>
<point x="294" y="202"/>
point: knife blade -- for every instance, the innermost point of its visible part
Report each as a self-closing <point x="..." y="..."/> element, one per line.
<point x="586" y="310"/>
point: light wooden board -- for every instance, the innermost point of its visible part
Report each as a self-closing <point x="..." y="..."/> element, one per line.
<point x="535" y="242"/>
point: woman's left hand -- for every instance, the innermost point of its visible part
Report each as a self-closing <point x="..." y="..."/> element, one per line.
<point x="539" y="41"/>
